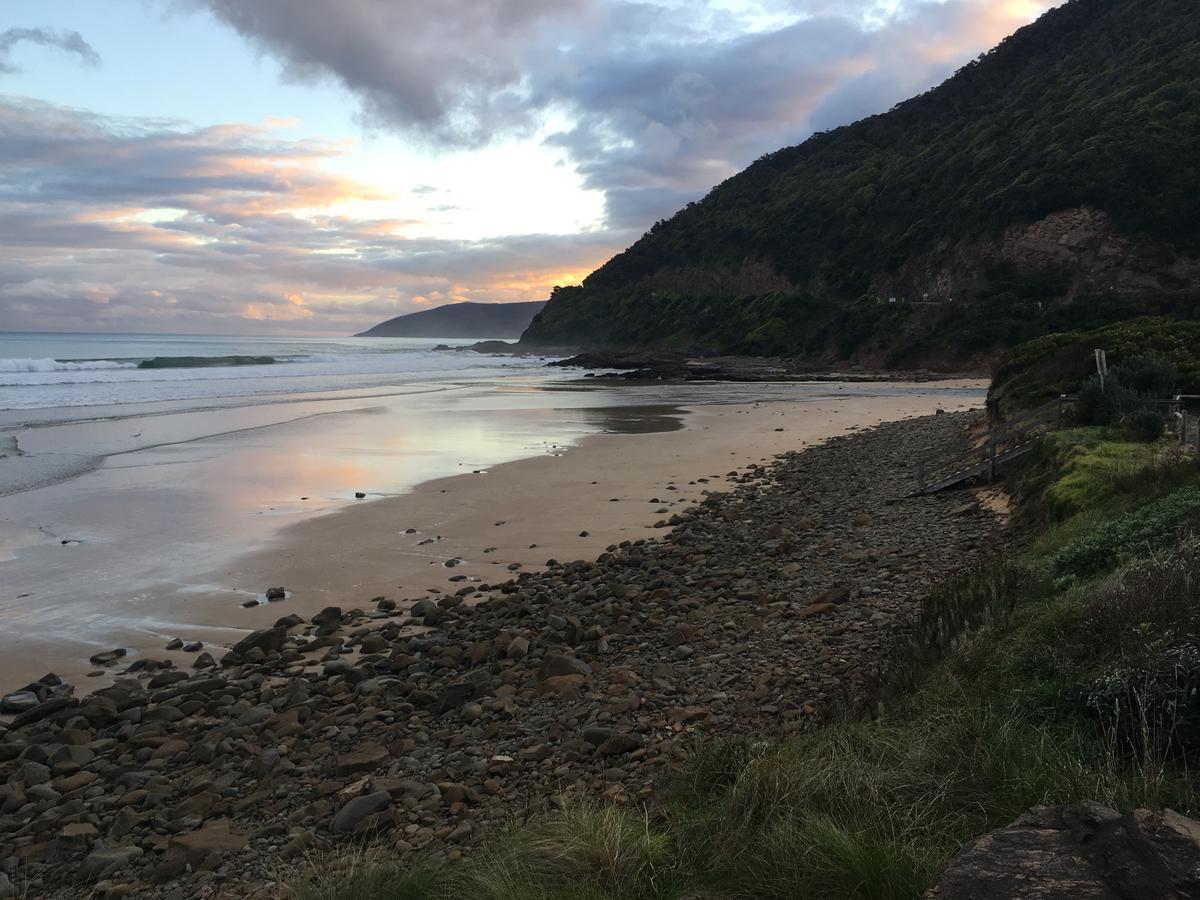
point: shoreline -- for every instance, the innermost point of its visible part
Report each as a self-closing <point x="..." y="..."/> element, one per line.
<point x="775" y="601"/>
<point x="352" y="555"/>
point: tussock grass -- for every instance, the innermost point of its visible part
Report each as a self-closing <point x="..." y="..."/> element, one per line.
<point x="370" y="872"/>
<point x="585" y="851"/>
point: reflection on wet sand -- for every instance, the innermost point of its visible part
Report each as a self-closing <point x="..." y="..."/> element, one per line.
<point x="175" y="535"/>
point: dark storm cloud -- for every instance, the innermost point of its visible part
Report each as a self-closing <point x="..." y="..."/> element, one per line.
<point x="454" y="68"/>
<point x="68" y="41"/>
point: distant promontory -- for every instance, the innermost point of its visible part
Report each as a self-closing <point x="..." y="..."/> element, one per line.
<point x="461" y="320"/>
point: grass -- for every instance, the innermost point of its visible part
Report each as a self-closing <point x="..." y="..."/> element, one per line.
<point x="994" y="714"/>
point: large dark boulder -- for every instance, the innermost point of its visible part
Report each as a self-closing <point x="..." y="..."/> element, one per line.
<point x="269" y="640"/>
<point x="1079" y="852"/>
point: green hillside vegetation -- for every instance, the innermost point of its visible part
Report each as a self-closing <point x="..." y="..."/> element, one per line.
<point x="1097" y="104"/>
<point x="1063" y="362"/>
<point x="1062" y="680"/>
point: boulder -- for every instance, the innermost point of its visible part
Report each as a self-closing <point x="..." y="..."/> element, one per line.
<point x="1078" y="851"/>
<point x="269" y="640"/>
<point x="18" y="702"/>
<point x="351" y="815"/>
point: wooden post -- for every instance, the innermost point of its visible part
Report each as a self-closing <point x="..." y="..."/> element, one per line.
<point x="991" y="454"/>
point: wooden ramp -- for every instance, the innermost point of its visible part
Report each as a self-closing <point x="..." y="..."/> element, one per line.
<point x="937" y="471"/>
<point x="978" y="470"/>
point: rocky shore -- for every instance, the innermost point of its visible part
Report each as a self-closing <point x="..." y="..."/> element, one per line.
<point x="666" y="365"/>
<point x="775" y="601"/>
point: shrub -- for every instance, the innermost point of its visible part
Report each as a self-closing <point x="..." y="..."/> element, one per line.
<point x="1144" y="425"/>
<point x="1152" y="602"/>
<point x="1104" y="404"/>
<point x="1149" y="374"/>
<point x="1152" y="709"/>
<point x="1142" y="530"/>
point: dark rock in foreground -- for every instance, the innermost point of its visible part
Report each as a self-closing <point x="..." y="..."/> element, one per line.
<point x="1079" y="852"/>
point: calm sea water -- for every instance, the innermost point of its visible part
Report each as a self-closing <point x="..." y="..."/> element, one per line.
<point x="54" y="370"/>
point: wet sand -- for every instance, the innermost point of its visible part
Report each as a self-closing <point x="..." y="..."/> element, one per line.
<point x="521" y="513"/>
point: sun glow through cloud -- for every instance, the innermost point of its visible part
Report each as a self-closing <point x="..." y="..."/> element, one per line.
<point x="358" y="165"/>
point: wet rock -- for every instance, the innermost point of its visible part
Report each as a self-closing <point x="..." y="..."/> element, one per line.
<point x="18" y="702"/>
<point x="108" y="657"/>
<point x="268" y="641"/>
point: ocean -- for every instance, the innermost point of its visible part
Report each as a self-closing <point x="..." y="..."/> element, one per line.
<point x="151" y="485"/>
<point x="43" y="371"/>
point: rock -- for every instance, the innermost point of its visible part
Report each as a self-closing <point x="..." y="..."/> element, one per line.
<point x="176" y="644"/>
<point x="374" y="643"/>
<point x="351" y="815"/>
<point x="560" y="664"/>
<point x="470" y="712"/>
<point x="363" y="759"/>
<point x="108" y="657"/>
<point x="291" y="620"/>
<point x="684" y="715"/>
<point x="78" y="833"/>
<point x="32" y="773"/>
<point x="565" y="687"/>
<point x="1078" y="851"/>
<point x="518" y="648"/>
<point x="359" y="495"/>
<point x="330" y="616"/>
<point x="268" y="641"/>
<point x="204" y="661"/>
<point x="18" y="702"/>
<point x="274" y="593"/>
<point x="103" y="861"/>
<point x="618" y="744"/>
<point x="214" y="840"/>
<point x="6" y="887"/>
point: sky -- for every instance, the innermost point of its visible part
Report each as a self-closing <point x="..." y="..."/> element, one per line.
<point x="315" y="167"/>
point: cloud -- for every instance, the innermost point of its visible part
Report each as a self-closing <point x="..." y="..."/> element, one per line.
<point x="142" y="224"/>
<point x="155" y="224"/>
<point x="67" y="41"/>
<point x="662" y="100"/>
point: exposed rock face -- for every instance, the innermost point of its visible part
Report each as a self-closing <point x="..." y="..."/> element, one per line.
<point x="1082" y="241"/>
<point x="1077" y="852"/>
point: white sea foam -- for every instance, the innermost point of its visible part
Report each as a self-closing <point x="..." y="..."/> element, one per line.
<point x="87" y="370"/>
<point x="63" y="365"/>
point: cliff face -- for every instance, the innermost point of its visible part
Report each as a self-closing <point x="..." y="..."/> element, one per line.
<point x="1055" y="173"/>
<point x="1080" y="246"/>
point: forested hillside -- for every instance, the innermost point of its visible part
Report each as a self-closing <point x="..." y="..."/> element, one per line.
<point x="460" y="320"/>
<point x="1063" y="164"/>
